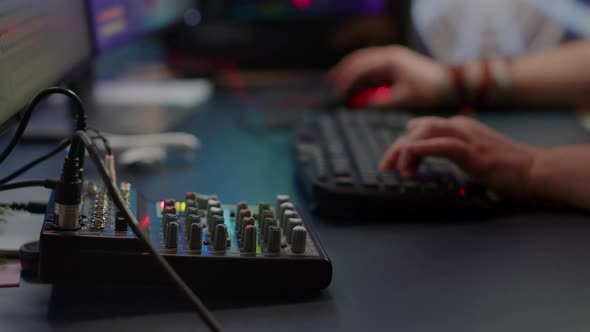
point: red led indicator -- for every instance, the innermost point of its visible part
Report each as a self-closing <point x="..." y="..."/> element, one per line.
<point x="144" y="223"/>
<point x="462" y="192"/>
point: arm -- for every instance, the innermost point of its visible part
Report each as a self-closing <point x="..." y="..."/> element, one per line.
<point x="510" y="168"/>
<point x="562" y="174"/>
<point x="554" y="77"/>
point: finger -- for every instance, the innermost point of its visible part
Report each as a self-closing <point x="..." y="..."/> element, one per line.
<point x="431" y="127"/>
<point x="445" y="147"/>
<point x="361" y="67"/>
<point x="415" y="122"/>
<point x="391" y="156"/>
<point x="424" y="128"/>
<point x="341" y="67"/>
<point x="404" y="162"/>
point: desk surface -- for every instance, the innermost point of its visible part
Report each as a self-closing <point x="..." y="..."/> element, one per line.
<point x="525" y="272"/>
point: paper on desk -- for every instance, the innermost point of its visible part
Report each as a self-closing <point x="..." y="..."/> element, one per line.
<point x="18" y="228"/>
<point x="10" y="273"/>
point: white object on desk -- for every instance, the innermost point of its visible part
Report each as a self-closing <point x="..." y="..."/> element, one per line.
<point x="185" y="93"/>
<point x="150" y="149"/>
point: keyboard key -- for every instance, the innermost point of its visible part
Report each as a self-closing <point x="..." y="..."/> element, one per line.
<point x="335" y="148"/>
<point x="430" y="186"/>
<point x="341" y="167"/>
<point x="369" y="180"/>
<point x="390" y="181"/>
<point x="344" y="181"/>
<point x="409" y="185"/>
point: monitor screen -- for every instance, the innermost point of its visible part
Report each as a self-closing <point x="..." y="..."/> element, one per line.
<point x="40" y="42"/>
<point x="118" y="21"/>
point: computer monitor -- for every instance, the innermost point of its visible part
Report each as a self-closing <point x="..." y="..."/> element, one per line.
<point x="291" y="33"/>
<point x="41" y="42"/>
<point x="116" y="22"/>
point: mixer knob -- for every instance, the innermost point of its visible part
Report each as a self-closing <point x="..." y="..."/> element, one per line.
<point x="268" y="223"/>
<point x="169" y="209"/>
<point x="262" y="222"/>
<point x="169" y="202"/>
<point x="274" y="239"/>
<point x="191" y="210"/>
<point x="190" y="203"/>
<point x="285" y="220"/>
<point x="240" y="206"/>
<point x="262" y="206"/>
<point x="120" y="224"/>
<point x="171" y="236"/>
<point x="215" y="220"/>
<point x="196" y="236"/>
<point x="250" y="238"/>
<point x="280" y="200"/>
<point x="220" y="239"/>
<point x="190" y="196"/>
<point x="287" y="206"/>
<point x="202" y="201"/>
<point x="189" y="220"/>
<point x="246" y="221"/>
<point x="244" y="213"/>
<point x="264" y="215"/>
<point x="213" y="211"/>
<point x="211" y="204"/>
<point x="298" y="239"/>
<point x="168" y="218"/>
<point x="291" y="224"/>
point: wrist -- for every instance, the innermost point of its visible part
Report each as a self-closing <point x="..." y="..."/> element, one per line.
<point x="538" y="175"/>
<point x="484" y="82"/>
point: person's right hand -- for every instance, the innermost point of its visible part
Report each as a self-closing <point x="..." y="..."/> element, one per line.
<point x="491" y="159"/>
<point x="417" y="80"/>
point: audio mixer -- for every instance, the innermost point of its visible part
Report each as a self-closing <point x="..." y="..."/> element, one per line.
<point x="213" y="246"/>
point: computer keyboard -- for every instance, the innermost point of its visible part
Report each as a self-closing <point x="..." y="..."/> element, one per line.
<point x="337" y="156"/>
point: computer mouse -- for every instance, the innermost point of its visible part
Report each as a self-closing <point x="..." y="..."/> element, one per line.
<point x="360" y="96"/>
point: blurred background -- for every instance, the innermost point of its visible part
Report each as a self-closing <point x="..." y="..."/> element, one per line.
<point x="184" y="50"/>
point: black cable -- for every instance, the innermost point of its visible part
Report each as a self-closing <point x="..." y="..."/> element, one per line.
<point x="104" y="143"/>
<point x="80" y="117"/>
<point x="132" y="221"/>
<point x="32" y="207"/>
<point x="100" y="136"/>
<point x="64" y="144"/>
<point x="49" y="184"/>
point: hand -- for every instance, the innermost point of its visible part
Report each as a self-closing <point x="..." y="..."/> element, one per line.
<point x="417" y="80"/>
<point x="490" y="158"/>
